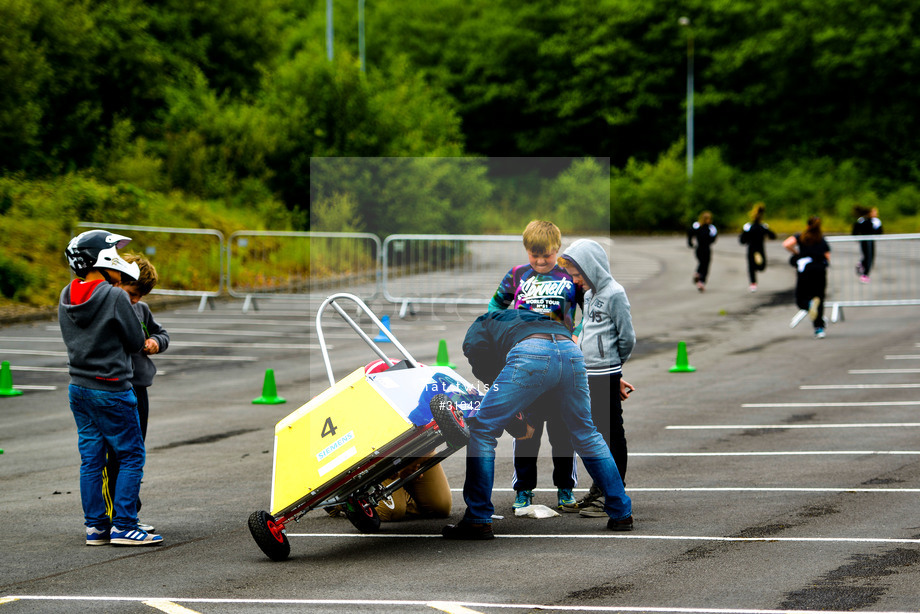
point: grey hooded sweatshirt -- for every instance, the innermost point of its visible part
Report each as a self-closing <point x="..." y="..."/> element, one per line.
<point x="607" y="337"/>
<point x="101" y="331"/>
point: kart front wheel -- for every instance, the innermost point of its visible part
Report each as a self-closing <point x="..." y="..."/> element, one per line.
<point x="362" y="514"/>
<point x="450" y="421"/>
<point x="269" y="535"/>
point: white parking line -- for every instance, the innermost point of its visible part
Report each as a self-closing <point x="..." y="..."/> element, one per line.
<point x="212" y="358"/>
<point x="731" y="489"/>
<point x="868" y="425"/>
<point x="789" y="453"/>
<point x="848" y="404"/>
<point x="903" y="357"/>
<point x="857" y="386"/>
<point x="634" y="536"/>
<point x="34" y="353"/>
<point x="392" y="603"/>
<point x="880" y="371"/>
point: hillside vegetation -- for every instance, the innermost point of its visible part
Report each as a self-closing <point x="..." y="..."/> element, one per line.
<point x="228" y="114"/>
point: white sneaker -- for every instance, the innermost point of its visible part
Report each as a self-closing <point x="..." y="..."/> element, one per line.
<point x="149" y="528"/>
<point x="798" y="317"/>
<point x="134" y="537"/>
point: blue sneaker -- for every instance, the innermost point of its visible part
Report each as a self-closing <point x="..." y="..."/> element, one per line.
<point x="97" y="537"/>
<point x="134" y="537"/>
<point x="523" y="499"/>
<point x="566" y="500"/>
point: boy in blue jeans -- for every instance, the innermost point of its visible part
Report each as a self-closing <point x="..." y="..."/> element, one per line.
<point x="101" y="332"/>
<point x="545" y="288"/>
<point x="607" y="340"/>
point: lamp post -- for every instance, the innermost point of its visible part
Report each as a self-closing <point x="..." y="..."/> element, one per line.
<point x="361" y="33"/>
<point x="329" y="29"/>
<point x="685" y="22"/>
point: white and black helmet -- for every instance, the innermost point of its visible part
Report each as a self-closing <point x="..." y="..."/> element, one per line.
<point x="98" y="249"/>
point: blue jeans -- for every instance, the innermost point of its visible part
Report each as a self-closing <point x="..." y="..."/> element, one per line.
<point x="536" y="367"/>
<point x="105" y="417"/>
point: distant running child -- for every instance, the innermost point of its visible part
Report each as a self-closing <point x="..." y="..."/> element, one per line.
<point x="753" y="235"/>
<point x="704" y="232"/>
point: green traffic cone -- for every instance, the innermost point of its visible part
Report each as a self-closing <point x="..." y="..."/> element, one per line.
<point x="443" y="360"/>
<point x="682" y="366"/>
<point x="269" y="392"/>
<point x="6" y="381"/>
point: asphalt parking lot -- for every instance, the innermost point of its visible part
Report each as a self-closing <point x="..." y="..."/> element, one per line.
<point x="782" y="475"/>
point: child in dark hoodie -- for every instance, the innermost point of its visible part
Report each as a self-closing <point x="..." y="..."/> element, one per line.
<point x="607" y="339"/>
<point x="101" y="332"/>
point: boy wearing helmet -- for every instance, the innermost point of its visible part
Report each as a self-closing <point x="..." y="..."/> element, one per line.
<point x="101" y="331"/>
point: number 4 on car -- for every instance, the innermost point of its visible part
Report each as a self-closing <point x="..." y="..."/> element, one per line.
<point x="341" y="446"/>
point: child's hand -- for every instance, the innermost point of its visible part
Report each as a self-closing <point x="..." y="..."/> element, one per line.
<point x="151" y="347"/>
<point x="625" y="389"/>
<point x="528" y="434"/>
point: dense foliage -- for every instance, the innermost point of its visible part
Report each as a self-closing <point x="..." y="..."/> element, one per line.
<point x="807" y="105"/>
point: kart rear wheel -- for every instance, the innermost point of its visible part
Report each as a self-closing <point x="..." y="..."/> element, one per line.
<point x="450" y="421"/>
<point x="362" y="514"/>
<point x="269" y="535"/>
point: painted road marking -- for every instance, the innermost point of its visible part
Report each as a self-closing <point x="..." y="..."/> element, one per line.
<point x="391" y="603"/>
<point x="790" y="453"/>
<point x="865" y="404"/>
<point x="698" y="538"/>
<point x="204" y="344"/>
<point x="857" y="386"/>
<point x="879" y="371"/>
<point x="868" y="425"/>
<point x="842" y="489"/>
<point x="169" y="607"/>
<point x="902" y="357"/>
<point x="451" y="607"/>
<point x="42" y="369"/>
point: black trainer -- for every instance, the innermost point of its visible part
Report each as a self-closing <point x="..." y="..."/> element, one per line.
<point x="624" y="524"/>
<point x="468" y="530"/>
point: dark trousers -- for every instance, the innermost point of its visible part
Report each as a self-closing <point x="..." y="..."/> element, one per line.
<point x="868" y="255"/>
<point x="811" y="283"/>
<point x="527" y="450"/>
<point x="703" y="257"/>
<point x="752" y="263"/>
<point x="607" y="414"/>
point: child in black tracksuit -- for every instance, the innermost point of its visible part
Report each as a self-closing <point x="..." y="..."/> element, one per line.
<point x="704" y="232"/>
<point x="811" y="257"/>
<point x="607" y="339"/>
<point x="753" y="235"/>
<point x="867" y="223"/>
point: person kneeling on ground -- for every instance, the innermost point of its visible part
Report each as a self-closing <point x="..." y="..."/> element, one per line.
<point x="523" y="355"/>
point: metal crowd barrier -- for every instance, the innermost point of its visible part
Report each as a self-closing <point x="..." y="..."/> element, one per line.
<point x="190" y="257"/>
<point x="289" y="264"/>
<point x="894" y="278"/>
<point x="253" y="265"/>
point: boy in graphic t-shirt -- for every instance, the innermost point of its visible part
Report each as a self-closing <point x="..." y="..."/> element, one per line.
<point x="544" y="287"/>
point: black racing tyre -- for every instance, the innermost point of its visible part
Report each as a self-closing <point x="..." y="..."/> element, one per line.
<point x="362" y="514"/>
<point x="453" y="426"/>
<point x="269" y="535"/>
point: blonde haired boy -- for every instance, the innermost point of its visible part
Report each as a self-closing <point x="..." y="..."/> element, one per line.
<point x="543" y="287"/>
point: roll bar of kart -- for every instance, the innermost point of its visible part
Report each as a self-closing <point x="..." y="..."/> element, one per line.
<point x="331" y="300"/>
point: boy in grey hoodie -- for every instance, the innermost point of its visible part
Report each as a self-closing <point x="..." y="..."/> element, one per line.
<point x="101" y="332"/>
<point x="607" y="339"/>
